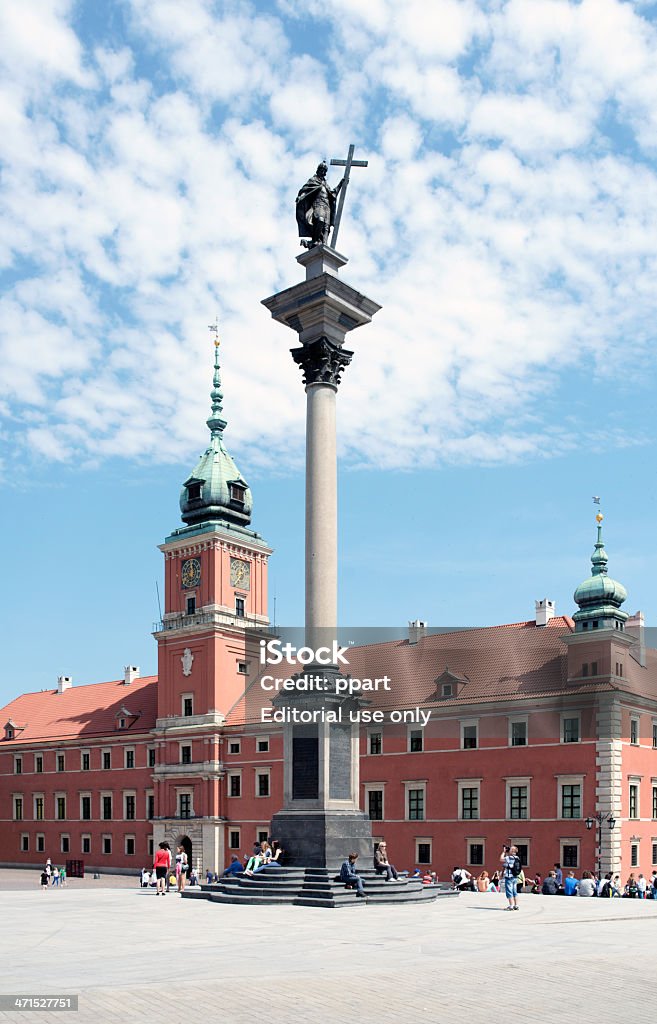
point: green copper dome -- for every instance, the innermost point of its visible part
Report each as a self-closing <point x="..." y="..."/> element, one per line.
<point x="599" y="597"/>
<point x="216" y="490"/>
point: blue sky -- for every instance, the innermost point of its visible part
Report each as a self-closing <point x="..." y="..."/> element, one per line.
<point x="507" y="224"/>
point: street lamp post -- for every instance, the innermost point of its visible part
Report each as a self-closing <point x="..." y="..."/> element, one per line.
<point x="600" y="819"/>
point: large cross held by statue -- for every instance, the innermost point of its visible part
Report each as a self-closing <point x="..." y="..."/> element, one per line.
<point x="347" y="164"/>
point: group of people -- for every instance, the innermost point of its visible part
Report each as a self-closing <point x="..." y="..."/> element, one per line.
<point x="511" y="879"/>
<point x="162" y="875"/>
<point x="265" y="854"/>
<point x="52" y="876"/>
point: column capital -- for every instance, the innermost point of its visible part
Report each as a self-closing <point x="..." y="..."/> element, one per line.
<point x="322" y="362"/>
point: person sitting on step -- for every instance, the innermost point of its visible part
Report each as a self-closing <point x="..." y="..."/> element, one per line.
<point x="350" y="876"/>
<point x="382" y="865"/>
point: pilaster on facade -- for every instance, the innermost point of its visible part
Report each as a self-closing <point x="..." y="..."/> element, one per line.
<point x="609" y="787"/>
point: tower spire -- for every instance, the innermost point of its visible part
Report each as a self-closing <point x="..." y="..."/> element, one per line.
<point x="216" y="422"/>
<point x="599" y="598"/>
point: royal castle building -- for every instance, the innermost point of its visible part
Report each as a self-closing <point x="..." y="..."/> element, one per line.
<point x="541" y="733"/>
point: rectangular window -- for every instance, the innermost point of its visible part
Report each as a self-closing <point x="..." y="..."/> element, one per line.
<point x="375" y="742"/>
<point x="129" y="757"/>
<point x="476" y="854"/>
<point x="65" y="844"/>
<point x="41" y="843"/>
<point x="191" y="605"/>
<point x="185" y="805"/>
<point x="523" y="853"/>
<point x="585" y="670"/>
<point x="423" y="851"/>
<point x="654" y="735"/>
<point x="150" y="805"/>
<point x="416" y="805"/>
<point x="375" y="804"/>
<point x="634" y="801"/>
<point x="18" y="808"/>
<point x="654" y="801"/>
<point x="106" y="803"/>
<point x="107" y="844"/>
<point x="86" y="844"/>
<point x="130" y="846"/>
<point x="85" y="762"/>
<point x="85" y="808"/>
<point x="234" y="747"/>
<point x="262" y="744"/>
<point x="239" y="607"/>
<point x="571" y="801"/>
<point x="518" y="734"/>
<point x="415" y="741"/>
<point x="243" y="668"/>
<point x="571" y="730"/>
<point x="470" y="802"/>
<point x="263" y="784"/>
<point x="518" y="801"/>
<point x="654" y="853"/>
<point x="60" y="762"/>
<point x="634" y="730"/>
<point x="186" y="755"/>
<point x="468" y="736"/>
<point x="263" y="835"/>
<point x="234" y="839"/>
<point x="130" y="807"/>
<point x="150" y="844"/>
<point x="60" y="805"/>
<point x="594" y="668"/>
<point x="234" y="785"/>
<point x="634" y="855"/>
<point x="25" y="843"/>
<point x="38" y="763"/>
<point x="188" y="707"/>
<point x="107" y="760"/>
<point x="151" y="757"/>
<point x="38" y="808"/>
<point x="18" y="766"/>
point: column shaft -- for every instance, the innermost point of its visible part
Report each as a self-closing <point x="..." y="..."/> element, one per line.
<point x="321" y="513"/>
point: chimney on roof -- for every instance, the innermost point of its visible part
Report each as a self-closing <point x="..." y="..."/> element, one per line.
<point x="416" y="630"/>
<point x="635" y="626"/>
<point x="64" y="683"/>
<point x="545" y="610"/>
<point x="130" y="673"/>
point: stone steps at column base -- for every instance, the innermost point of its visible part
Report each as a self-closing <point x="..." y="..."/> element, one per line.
<point x="311" y="897"/>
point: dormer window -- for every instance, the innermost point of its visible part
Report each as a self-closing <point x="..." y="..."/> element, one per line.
<point x="11" y="729"/>
<point x="121" y="723"/>
<point x="447" y="690"/>
<point x="237" y="493"/>
<point x="9" y="732"/>
<point x="194" y="491"/>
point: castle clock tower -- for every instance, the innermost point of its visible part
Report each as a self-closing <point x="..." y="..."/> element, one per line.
<point x="215" y="605"/>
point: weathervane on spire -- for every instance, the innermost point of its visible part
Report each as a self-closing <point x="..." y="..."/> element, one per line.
<point x="596" y="501"/>
<point x="214" y="328"/>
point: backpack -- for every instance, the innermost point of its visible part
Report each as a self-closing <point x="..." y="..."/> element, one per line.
<point x="606" y="889"/>
<point x="516" y="867"/>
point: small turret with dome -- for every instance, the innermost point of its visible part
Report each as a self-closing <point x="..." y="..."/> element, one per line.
<point x="216" y="492"/>
<point x="599" y="597"/>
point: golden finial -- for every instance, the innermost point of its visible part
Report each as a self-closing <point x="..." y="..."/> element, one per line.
<point x="599" y="518"/>
<point x="215" y="330"/>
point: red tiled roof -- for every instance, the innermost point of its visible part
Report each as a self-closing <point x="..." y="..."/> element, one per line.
<point x="83" y="711"/>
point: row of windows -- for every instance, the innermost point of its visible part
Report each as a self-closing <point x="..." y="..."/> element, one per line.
<point x="39" y="840"/>
<point x="570" y="733"/>
<point x="85" y="761"/>
<point x="569" y="794"/>
<point x="569" y="856"/>
<point x="262" y="784"/>
<point x="234" y="747"/>
<point x="60" y="807"/>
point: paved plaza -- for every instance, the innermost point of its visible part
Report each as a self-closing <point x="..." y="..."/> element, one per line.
<point x="132" y="956"/>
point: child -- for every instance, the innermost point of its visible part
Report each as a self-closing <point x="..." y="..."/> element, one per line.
<point x="44" y="881"/>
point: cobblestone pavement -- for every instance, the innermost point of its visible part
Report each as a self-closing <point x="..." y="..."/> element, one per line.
<point x="132" y="956"/>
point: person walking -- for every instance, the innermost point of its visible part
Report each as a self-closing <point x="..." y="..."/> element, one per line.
<point x="511" y="869"/>
<point x="55" y="876"/>
<point x="182" y="867"/>
<point x="162" y="866"/>
<point x="642" y="886"/>
<point x="44" y="880"/>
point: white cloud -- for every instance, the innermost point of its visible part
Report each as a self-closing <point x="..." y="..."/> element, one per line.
<point x="150" y="184"/>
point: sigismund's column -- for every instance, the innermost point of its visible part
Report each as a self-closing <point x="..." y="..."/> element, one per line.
<point x="321" y="820"/>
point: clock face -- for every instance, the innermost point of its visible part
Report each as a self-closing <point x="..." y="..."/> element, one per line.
<point x="240" y="573"/>
<point x="190" y="575"/>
